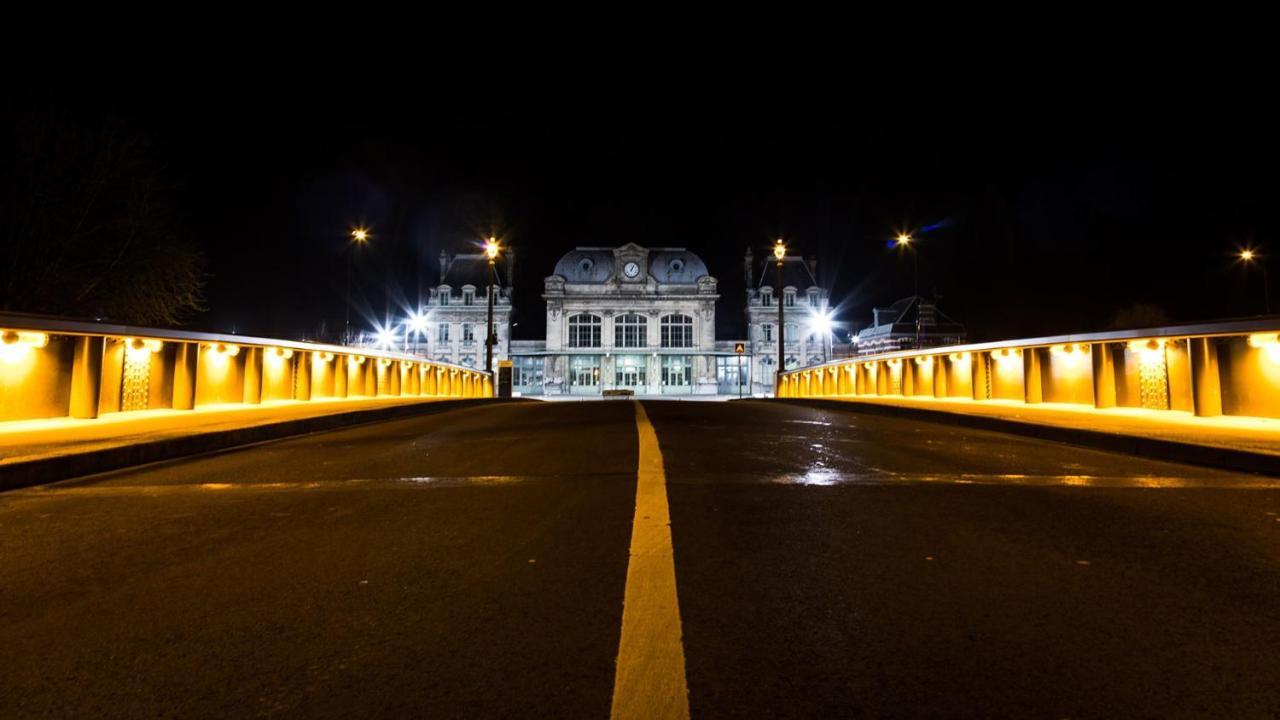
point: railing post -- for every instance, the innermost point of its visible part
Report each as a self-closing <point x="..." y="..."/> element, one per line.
<point x="253" y="375"/>
<point x="940" y="369"/>
<point x="341" y="366"/>
<point x="1104" y="375"/>
<point x="86" y="376"/>
<point x="185" y="359"/>
<point x="1032" y="383"/>
<point x="302" y="375"/>
<point x="978" y="374"/>
<point x="908" y="382"/>
<point x="1206" y="381"/>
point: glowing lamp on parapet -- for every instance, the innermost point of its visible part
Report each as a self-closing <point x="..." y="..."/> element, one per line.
<point x="1070" y="350"/>
<point x="282" y="353"/>
<point x="924" y="360"/>
<point x="225" y="349"/>
<point x="137" y="347"/>
<point x="1269" y="343"/>
<point x="959" y="357"/>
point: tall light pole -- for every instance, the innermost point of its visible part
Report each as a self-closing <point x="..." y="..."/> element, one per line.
<point x="359" y="237"/>
<point x="904" y="241"/>
<point x="780" y="254"/>
<point x="490" y="250"/>
<point x="1249" y="256"/>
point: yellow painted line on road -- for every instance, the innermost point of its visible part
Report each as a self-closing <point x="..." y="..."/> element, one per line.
<point x="649" y="682"/>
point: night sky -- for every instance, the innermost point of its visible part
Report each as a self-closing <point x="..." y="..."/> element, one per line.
<point x="1041" y="204"/>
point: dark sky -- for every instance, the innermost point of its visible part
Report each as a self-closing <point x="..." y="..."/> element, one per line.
<point x="1053" y="200"/>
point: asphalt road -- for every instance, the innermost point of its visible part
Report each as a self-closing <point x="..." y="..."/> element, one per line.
<point x="472" y="564"/>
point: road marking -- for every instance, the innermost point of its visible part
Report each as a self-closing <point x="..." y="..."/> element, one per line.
<point x="649" y="681"/>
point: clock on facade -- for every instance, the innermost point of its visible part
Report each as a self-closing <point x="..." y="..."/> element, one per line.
<point x="631" y="269"/>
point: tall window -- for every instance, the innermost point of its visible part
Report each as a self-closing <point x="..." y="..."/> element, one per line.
<point x="677" y="331"/>
<point x="790" y="298"/>
<point x="766" y="297"/>
<point x="630" y="331"/>
<point x="444" y="297"/>
<point x="468" y="333"/>
<point x="766" y="332"/>
<point x="468" y="297"/>
<point x="584" y="330"/>
<point x="813" y="300"/>
<point x="442" y="333"/>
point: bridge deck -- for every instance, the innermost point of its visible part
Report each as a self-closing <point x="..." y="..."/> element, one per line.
<point x="473" y="563"/>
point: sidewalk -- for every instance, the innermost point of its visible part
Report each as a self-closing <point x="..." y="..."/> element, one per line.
<point x="39" y="451"/>
<point x="1239" y="443"/>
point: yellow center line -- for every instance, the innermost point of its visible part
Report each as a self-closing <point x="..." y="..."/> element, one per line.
<point x="649" y="682"/>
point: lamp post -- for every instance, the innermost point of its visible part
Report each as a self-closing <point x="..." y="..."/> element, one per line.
<point x="780" y="253"/>
<point x="904" y="241"/>
<point x="1248" y="256"/>
<point x="490" y="250"/>
<point x="359" y="236"/>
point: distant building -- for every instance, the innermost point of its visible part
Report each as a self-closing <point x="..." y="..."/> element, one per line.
<point x="457" y="310"/>
<point x="912" y="322"/>
<point x="627" y="318"/>
<point x="804" y="301"/>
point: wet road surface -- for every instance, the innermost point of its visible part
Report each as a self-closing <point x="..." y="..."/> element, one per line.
<point x="473" y="564"/>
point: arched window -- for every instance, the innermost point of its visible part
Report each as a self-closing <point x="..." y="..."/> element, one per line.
<point x="677" y="331"/>
<point x="630" y="331"/>
<point x="584" y="331"/>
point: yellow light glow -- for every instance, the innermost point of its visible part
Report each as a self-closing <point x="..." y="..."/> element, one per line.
<point x="1070" y="349"/>
<point x="1246" y="255"/>
<point x="282" y="353"/>
<point x="924" y="360"/>
<point x="779" y="250"/>
<point x="355" y="359"/>
<point x="894" y="362"/>
<point x="960" y="357"/>
<point x="904" y="239"/>
<point x="1152" y="345"/>
<point x="227" y="349"/>
<point x="141" y="345"/>
<point x="324" y="357"/>
<point x="869" y="365"/>
<point x="1264" y="340"/>
<point x="360" y="235"/>
<point x="491" y="248"/>
<point x="1006" y="355"/>
<point x="384" y="362"/>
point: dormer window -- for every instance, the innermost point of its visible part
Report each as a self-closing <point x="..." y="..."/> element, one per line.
<point x="790" y="298"/>
<point x="468" y="297"/>
<point x="814" y="301"/>
<point x="766" y="297"/>
<point x="676" y="265"/>
<point x="444" y="297"/>
<point x="585" y="265"/>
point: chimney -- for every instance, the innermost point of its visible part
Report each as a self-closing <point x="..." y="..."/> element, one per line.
<point x="747" y="264"/>
<point x="444" y="266"/>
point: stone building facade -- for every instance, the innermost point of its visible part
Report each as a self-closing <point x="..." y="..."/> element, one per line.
<point x="457" y="311"/>
<point x="626" y="318"/>
<point x="805" y="304"/>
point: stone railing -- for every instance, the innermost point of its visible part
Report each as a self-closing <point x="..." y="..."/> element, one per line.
<point x="52" y="367"/>
<point x="1227" y="368"/>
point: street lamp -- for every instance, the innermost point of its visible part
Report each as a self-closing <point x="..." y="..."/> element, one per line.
<point x="1248" y="256"/>
<point x="780" y="254"/>
<point x="491" y="251"/>
<point x="359" y="236"/>
<point x="905" y="241"/>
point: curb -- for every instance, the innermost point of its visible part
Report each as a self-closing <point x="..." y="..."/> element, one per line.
<point x="64" y="467"/>
<point x="1145" y="447"/>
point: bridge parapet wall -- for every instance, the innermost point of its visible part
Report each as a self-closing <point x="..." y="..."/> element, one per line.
<point x="53" y="367"/>
<point x="1227" y="368"/>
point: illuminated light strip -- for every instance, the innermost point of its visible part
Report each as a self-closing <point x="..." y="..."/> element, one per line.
<point x="143" y="345"/>
<point x="1264" y="340"/>
<point x="283" y="353"/>
<point x="960" y="357"/>
<point x="24" y="338"/>
<point x="649" y="679"/>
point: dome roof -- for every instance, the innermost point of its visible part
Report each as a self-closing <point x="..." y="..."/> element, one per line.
<point x="585" y="265"/>
<point x="671" y="266"/>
